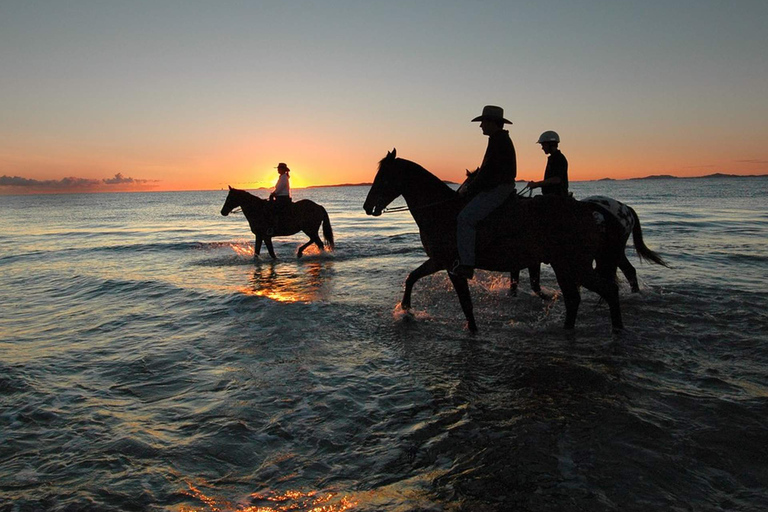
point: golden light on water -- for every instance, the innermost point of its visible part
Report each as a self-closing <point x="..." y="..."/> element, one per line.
<point x="272" y="501"/>
<point x="242" y="250"/>
<point x="304" y="282"/>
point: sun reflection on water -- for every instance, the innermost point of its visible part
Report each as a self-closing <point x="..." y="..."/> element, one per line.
<point x="306" y="282"/>
<point x="272" y="501"/>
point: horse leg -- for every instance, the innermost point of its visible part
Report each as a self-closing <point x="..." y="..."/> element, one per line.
<point x="609" y="291"/>
<point x="257" y="246"/>
<point x="314" y="238"/>
<point x="465" y="299"/>
<point x="425" y="269"/>
<point x="318" y="242"/>
<point x="534" y="275"/>
<point x="270" y="249"/>
<point x="514" y="280"/>
<point x="629" y="272"/>
<point x="571" y="296"/>
<point x="300" y="252"/>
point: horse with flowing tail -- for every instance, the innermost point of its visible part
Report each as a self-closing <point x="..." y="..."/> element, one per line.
<point x="304" y="215"/>
<point x="629" y="223"/>
<point x="519" y="234"/>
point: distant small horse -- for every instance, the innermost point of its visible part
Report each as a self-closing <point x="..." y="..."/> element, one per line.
<point x="304" y="215"/>
<point x="622" y="215"/>
<point x="523" y="232"/>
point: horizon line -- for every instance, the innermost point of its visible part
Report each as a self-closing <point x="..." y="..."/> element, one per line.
<point x="31" y="191"/>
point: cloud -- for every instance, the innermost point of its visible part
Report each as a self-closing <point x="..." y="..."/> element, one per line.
<point x="119" y="179"/>
<point x="70" y="183"/>
<point x="753" y="161"/>
<point x="64" y="183"/>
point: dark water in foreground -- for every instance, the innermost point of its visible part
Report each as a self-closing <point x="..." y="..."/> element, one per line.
<point x="148" y="363"/>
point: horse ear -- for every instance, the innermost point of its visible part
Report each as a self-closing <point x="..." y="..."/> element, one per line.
<point x="394" y="152"/>
<point x="230" y="187"/>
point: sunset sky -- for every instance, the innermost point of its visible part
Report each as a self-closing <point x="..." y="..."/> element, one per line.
<point x="192" y="94"/>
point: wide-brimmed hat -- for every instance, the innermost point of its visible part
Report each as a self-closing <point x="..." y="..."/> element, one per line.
<point x="282" y="165"/>
<point x="492" y="113"/>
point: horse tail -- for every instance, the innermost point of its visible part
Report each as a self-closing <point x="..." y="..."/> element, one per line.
<point x="327" y="231"/>
<point x="642" y="250"/>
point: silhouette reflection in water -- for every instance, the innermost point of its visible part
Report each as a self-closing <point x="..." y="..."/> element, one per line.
<point x="307" y="281"/>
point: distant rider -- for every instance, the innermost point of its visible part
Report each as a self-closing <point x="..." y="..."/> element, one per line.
<point x="280" y="198"/>
<point x="493" y="184"/>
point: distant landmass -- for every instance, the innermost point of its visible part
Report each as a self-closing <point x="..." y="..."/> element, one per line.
<point x="708" y="176"/>
<point x="715" y="175"/>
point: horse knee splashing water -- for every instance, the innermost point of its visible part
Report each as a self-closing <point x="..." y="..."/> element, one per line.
<point x="305" y="215"/>
<point x="519" y="234"/>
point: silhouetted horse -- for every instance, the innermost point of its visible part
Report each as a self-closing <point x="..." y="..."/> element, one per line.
<point x="304" y="215"/>
<point x="523" y="232"/>
<point x="627" y="219"/>
<point x="612" y="211"/>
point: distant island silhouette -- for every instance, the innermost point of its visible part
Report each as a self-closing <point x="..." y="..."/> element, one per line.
<point x="671" y="177"/>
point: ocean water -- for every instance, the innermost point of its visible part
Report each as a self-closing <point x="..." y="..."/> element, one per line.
<point x="149" y="362"/>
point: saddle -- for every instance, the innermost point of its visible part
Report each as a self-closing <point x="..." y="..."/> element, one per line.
<point x="281" y="210"/>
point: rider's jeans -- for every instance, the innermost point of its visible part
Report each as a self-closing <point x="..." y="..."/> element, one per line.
<point x="476" y="210"/>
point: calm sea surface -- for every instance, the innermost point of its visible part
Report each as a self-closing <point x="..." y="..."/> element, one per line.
<point x="148" y="362"/>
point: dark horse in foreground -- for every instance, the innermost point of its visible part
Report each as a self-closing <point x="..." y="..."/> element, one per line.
<point x="615" y="212"/>
<point x="609" y="210"/>
<point x="519" y="234"/>
<point x="304" y="215"/>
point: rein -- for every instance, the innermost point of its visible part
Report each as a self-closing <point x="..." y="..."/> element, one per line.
<point x="397" y="209"/>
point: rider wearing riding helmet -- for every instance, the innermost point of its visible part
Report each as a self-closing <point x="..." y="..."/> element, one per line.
<point x="555" y="180"/>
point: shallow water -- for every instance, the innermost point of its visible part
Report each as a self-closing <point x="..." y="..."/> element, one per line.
<point x="148" y="362"/>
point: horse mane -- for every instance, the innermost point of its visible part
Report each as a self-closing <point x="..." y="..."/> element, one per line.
<point x="247" y="195"/>
<point x="416" y="170"/>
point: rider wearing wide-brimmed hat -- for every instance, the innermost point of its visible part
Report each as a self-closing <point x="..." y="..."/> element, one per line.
<point x="493" y="184"/>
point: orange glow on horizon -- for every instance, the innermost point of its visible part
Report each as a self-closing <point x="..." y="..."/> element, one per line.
<point x="328" y="168"/>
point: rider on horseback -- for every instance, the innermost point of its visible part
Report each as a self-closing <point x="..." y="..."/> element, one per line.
<point x="556" y="174"/>
<point x="494" y="184"/>
<point x="555" y="183"/>
<point x="280" y="198"/>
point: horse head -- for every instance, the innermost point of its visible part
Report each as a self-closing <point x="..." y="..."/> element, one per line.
<point x="240" y="198"/>
<point x="231" y="202"/>
<point x="471" y="175"/>
<point x="386" y="185"/>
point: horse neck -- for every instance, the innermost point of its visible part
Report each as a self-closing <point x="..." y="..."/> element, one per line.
<point x="422" y="189"/>
<point x="252" y="206"/>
